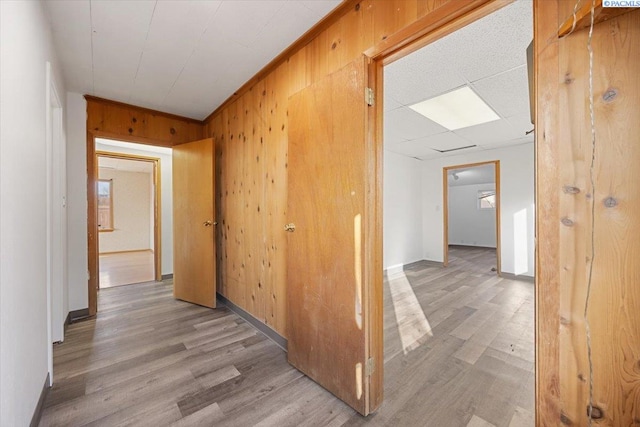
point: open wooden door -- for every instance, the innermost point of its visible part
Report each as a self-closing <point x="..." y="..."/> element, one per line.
<point x="330" y="205"/>
<point x="193" y="223"/>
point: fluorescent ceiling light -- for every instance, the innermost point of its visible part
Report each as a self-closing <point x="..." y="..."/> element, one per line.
<point x="457" y="109"/>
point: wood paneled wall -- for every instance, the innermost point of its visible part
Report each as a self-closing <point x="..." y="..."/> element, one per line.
<point x="123" y="122"/>
<point x="111" y="119"/>
<point x="250" y="131"/>
<point x="588" y="223"/>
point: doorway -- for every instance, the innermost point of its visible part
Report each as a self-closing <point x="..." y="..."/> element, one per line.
<point x="466" y="333"/>
<point x="471" y="214"/>
<point x="128" y="204"/>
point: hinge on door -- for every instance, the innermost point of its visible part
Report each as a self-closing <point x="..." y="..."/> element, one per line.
<point x="370" y="367"/>
<point x="369" y="96"/>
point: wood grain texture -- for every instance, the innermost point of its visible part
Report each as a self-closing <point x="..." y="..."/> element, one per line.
<point x="124" y="122"/>
<point x="325" y="309"/>
<point x="148" y="359"/>
<point x="572" y="242"/>
<point x="354" y="27"/>
<point x="193" y="217"/>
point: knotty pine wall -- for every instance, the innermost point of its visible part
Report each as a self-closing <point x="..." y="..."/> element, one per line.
<point x="566" y="226"/>
<point x="250" y="134"/>
<point x="110" y="119"/>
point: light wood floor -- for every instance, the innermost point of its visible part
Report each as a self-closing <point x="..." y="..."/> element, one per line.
<point x="149" y="360"/>
<point x="126" y="268"/>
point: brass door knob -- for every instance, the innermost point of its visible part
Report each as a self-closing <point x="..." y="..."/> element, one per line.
<point x="208" y="224"/>
<point x="290" y="227"/>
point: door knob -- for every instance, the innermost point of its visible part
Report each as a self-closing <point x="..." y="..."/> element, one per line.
<point x="208" y="224"/>
<point x="290" y="227"/>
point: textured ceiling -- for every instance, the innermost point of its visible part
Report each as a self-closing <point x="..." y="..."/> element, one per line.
<point x="184" y="57"/>
<point x="488" y="55"/>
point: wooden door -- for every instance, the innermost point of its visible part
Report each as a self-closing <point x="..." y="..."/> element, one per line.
<point x="193" y="223"/>
<point x="329" y="204"/>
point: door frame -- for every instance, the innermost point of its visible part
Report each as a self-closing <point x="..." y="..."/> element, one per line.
<point x="93" y="270"/>
<point x="445" y="20"/>
<point x="445" y="208"/>
<point x="157" y="204"/>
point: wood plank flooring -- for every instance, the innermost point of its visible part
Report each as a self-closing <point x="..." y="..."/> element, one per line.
<point x="149" y="360"/>
<point x="126" y="268"/>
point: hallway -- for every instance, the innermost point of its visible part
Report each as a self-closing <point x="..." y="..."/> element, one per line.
<point x="148" y="359"/>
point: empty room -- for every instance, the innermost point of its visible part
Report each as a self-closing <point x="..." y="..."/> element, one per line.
<point x="320" y="270"/>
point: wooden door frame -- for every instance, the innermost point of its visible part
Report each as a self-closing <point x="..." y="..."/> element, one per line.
<point x="443" y="21"/>
<point x="157" y="206"/>
<point x="445" y="209"/>
<point x="93" y="269"/>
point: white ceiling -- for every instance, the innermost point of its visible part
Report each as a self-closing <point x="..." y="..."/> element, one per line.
<point x="114" y="147"/>
<point x="184" y="57"/>
<point x="125" y="165"/>
<point x="484" y="174"/>
<point x="489" y="56"/>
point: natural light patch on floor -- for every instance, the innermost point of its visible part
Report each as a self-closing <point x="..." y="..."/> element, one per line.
<point x="413" y="326"/>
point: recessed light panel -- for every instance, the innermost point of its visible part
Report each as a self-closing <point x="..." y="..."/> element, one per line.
<point x="457" y="109"/>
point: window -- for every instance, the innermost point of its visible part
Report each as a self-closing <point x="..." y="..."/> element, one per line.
<point x="105" y="205"/>
<point x="486" y="199"/>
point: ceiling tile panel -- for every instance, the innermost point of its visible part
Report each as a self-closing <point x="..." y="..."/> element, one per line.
<point x="408" y="124"/>
<point x="507" y="93"/>
<point x="243" y="21"/>
<point x="521" y="124"/>
<point x="421" y="75"/>
<point x="489" y="133"/>
<point x="412" y="149"/>
<point x="130" y="19"/>
<point x="444" y="141"/>
<point x="493" y="44"/>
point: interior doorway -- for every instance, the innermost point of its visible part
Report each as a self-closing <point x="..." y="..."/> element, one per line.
<point x="467" y="334"/>
<point x="471" y="213"/>
<point x="128" y="204"/>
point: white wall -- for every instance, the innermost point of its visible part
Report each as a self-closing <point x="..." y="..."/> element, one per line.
<point x="25" y="47"/>
<point x="77" y="263"/>
<point x="469" y="225"/>
<point x="131" y="219"/>
<point x="166" y="198"/>
<point x="517" y="209"/>
<point x="402" y="214"/>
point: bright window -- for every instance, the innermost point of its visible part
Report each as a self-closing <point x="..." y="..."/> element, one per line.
<point x="105" y="205"/>
<point x="486" y="199"/>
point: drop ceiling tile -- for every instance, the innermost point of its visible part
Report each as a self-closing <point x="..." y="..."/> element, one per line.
<point x="507" y="93"/>
<point x="511" y="143"/>
<point x="421" y="75"/>
<point x="444" y="141"/>
<point x="390" y="103"/>
<point x="521" y="124"/>
<point x="408" y="124"/>
<point x="493" y="44"/>
<point x="489" y="133"/>
<point x="412" y="149"/>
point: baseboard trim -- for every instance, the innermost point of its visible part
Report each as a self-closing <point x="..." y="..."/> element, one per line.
<point x="76" y="315"/>
<point x="253" y="321"/>
<point x="458" y="245"/>
<point x="512" y="276"/>
<point x="167" y="276"/>
<point x="394" y="270"/>
<point x="37" y="413"/>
